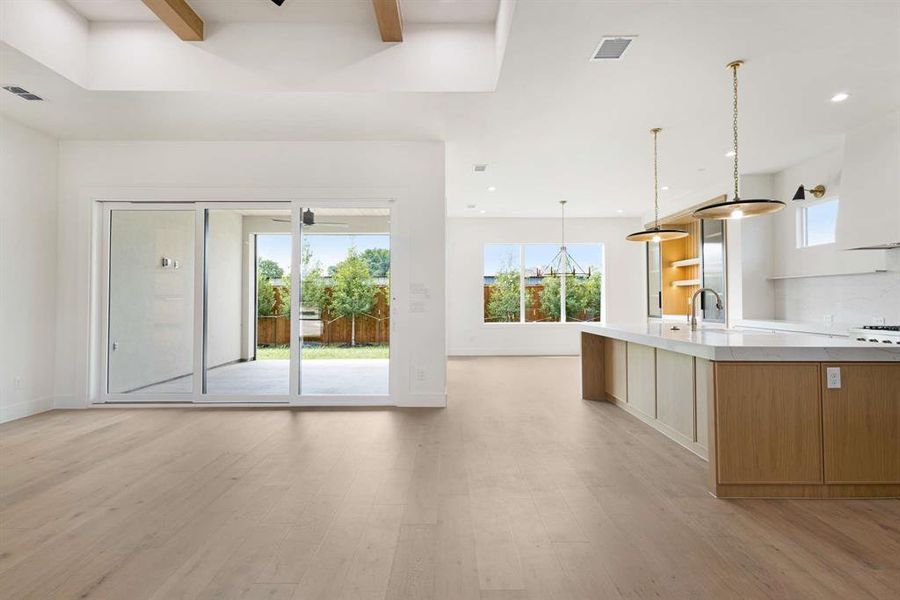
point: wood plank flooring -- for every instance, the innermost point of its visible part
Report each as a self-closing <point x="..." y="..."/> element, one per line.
<point x="518" y="490"/>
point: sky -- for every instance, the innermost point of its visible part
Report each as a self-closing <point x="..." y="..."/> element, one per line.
<point x="328" y="249"/>
<point x="539" y="255"/>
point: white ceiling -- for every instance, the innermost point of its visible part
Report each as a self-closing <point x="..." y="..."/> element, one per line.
<point x="297" y="11"/>
<point x="559" y="126"/>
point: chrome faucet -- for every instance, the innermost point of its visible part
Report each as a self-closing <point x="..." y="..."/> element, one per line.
<point x="693" y="317"/>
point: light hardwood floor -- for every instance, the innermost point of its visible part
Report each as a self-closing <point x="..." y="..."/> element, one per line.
<point x="518" y="490"/>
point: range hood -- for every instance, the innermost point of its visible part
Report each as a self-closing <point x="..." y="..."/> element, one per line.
<point x="869" y="217"/>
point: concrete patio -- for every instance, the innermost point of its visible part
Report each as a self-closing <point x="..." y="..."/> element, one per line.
<point x="271" y="377"/>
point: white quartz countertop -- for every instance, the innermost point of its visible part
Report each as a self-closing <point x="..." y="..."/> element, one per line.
<point x="744" y="344"/>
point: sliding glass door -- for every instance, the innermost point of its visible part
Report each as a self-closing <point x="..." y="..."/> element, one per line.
<point x="151" y="303"/>
<point x="345" y="301"/>
<point x="203" y="303"/>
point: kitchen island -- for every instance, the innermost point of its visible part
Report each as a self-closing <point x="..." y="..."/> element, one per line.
<point x="776" y="414"/>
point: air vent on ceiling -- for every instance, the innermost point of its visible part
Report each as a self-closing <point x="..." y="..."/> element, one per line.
<point x="21" y="92"/>
<point x="480" y="168"/>
<point x="612" y="47"/>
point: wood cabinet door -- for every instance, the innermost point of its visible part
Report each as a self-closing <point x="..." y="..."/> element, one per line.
<point x="615" y="354"/>
<point x="862" y="423"/>
<point x="675" y="392"/>
<point x="642" y="378"/>
<point x="768" y="423"/>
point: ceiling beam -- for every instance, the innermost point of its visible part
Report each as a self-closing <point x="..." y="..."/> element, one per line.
<point x="180" y="18"/>
<point x="390" y="24"/>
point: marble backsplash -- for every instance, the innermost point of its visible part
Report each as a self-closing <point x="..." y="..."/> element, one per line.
<point x="851" y="300"/>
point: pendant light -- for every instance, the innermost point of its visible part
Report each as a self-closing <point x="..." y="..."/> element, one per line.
<point x="737" y="208"/>
<point x="656" y="233"/>
<point x="563" y="264"/>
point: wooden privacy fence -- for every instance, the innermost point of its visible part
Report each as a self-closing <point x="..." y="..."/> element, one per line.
<point x="374" y="328"/>
<point x="533" y="311"/>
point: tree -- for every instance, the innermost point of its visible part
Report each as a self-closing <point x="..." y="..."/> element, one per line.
<point x="284" y="294"/>
<point x="588" y="294"/>
<point x="269" y="269"/>
<point x="504" y="300"/>
<point x="265" y="296"/>
<point x="312" y="284"/>
<point x="352" y="290"/>
<point x="582" y="298"/>
<point x="379" y="261"/>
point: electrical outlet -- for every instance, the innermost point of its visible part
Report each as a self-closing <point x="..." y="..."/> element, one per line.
<point x="877" y="320"/>
<point x="833" y="377"/>
<point x="828" y="320"/>
<point x="420" y="374"/>
<point x="17" y="383"/>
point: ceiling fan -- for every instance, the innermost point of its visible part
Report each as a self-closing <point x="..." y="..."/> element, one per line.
<point x="309" y="220"/>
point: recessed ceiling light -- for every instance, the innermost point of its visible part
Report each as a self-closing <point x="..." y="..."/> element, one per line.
<point x="492" y="188"/>
<point x="482" y="211"/>
<point x="730" y="154"/>
<point x="840" y="97"/>
<point x="620" y="211"/>
<point x="664" y="188"/>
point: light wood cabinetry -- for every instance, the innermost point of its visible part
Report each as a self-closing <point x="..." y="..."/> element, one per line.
<point x="768" y="429"/>
<point x="703" y="389"/>
<point x="679" y="282"/>
<point x="642" y="379"/>
<point x="768" y="423"/>
<point x="593" y="378"/>
<point x="861" y="423"/>
<point x="675" y="393"/>
<point x="616" y="369"/>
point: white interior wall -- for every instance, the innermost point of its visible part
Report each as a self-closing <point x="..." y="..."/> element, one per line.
<point x="782" y="281"/>
<point x="28" y="229"/>
<point x="406" y="176"/>
<point x="151" y="306"/>
<point x="469" y="335"/>
<point x="225" y="287"/>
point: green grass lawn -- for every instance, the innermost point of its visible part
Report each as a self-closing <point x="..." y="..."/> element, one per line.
<point x="322" y="352"/>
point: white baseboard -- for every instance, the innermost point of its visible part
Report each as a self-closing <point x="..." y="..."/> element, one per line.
<point x="20" y="410"/>
<point x="424" y="401"/>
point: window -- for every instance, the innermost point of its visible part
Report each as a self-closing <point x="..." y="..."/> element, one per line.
<point x="514" y="290"/>
<point x="816" y="223"/>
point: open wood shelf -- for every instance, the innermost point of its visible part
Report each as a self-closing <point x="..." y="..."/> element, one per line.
<point x="687" y="262"/>
<point x="686" y="282"/>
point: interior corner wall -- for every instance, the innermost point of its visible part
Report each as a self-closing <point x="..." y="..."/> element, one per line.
<point x="408" y="176"/>
<point x="28" y="230"/>
<point x="225" y="287"/>
<point x="625" y="281"/>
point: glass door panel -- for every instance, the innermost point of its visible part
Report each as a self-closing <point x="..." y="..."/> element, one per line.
<point x="151" y="302"/>
<point x="345" y="263"/>
<point x="713" y="234"/>
<point x="247" y="325"/>
<point x="654" y="280"/>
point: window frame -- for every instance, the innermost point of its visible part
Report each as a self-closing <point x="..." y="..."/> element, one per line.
<point x="563" y="320"/>
<point x="802" y="222"/>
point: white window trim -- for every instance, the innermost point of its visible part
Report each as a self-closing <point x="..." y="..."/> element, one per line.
<point x="801" y="222"/>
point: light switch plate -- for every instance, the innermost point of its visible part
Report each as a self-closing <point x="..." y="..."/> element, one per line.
<point x="833" y="378"/>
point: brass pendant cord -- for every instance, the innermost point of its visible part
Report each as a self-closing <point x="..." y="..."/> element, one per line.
<point x="734" y="69"/>
<point x="655" y="132"/>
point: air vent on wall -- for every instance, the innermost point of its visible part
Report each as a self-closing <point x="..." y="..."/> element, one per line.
<point x="480" y="168"/>
<point x="612" y="47"/>
<point x="21" y="92"/>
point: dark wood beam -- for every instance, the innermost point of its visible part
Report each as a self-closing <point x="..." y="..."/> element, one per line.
<point x="180" y="18"/>
<point x="390" y="24"/>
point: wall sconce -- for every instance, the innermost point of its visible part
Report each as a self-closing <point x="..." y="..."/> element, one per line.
<point x="817" y="191"/>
